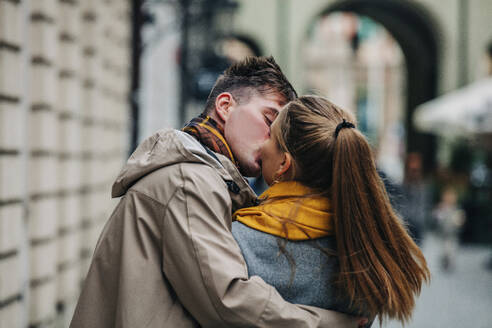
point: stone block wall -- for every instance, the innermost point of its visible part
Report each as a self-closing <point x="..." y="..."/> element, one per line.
<point x="64" y="125"/>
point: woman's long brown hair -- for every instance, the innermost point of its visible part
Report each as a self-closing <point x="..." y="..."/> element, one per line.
<point x="381" y="268"/>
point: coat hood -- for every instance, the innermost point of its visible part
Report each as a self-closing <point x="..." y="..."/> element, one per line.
<point x="165" y="147"/>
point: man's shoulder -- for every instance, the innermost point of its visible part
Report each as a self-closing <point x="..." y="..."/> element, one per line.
<point x="177" y="172"/>
<point x="163" y="182"/>
<point x="174" y="159"/>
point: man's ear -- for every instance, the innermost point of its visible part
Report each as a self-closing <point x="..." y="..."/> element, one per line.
<point x="285" y="167"/>
<point x="223" y="106"/>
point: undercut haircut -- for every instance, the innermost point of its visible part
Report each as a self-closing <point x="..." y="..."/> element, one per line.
<point x="250" y="76"/>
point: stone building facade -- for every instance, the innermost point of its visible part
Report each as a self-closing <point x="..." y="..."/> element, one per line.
<point x="64" y="115"/>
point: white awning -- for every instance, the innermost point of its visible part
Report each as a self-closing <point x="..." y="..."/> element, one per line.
<point x="465" y="111"/>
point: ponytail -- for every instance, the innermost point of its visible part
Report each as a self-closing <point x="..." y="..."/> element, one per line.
<point x="381" y="268"/>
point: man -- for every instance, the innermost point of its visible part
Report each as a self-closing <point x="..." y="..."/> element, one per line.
<point x="166" y="257"/>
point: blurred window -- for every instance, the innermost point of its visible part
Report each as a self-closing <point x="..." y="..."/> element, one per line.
<point x="357" y="64"/>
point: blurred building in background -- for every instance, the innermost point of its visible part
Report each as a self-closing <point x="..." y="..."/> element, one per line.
<point x="83" y="81"/>
<point x="379" y="58"/>
<point x="64" y="123"/>
<point x="185" y="46"/>
<point x="358" y="65"/>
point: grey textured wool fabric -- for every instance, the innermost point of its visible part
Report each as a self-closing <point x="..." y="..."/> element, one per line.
<point x="314" y="271"/>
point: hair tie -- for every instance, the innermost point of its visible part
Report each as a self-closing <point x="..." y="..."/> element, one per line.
<point x="342" y="125"/>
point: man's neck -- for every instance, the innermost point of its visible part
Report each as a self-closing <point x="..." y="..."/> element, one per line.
<point x="208" y="132"/>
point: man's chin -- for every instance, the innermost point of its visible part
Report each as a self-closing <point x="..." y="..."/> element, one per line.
<point x="250" y="171"/>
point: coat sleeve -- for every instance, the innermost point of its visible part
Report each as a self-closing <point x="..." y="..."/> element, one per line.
<point x="204" y="264"/>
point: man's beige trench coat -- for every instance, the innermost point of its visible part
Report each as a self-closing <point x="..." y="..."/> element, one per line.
<point x="166" y="257"/>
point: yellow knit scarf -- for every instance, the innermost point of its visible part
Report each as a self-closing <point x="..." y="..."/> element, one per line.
<point x="288" y="214"/>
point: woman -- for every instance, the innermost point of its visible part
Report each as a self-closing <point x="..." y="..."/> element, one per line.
<point x="324" y="233"/>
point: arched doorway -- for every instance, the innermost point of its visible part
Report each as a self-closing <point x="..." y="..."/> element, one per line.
<point x="415" y="33"/>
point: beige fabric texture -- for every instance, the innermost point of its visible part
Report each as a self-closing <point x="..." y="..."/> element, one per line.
<point x="166" y="256"/>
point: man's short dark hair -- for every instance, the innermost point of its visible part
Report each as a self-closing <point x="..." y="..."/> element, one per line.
<point x="242" y="79"/>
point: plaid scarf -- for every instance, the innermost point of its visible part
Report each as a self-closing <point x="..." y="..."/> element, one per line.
<point x="210" y="134"/>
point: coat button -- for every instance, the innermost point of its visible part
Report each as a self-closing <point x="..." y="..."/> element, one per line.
<point x="233" y="187"/>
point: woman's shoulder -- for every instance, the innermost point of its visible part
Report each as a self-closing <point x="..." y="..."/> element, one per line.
<point x="250" y="237"/>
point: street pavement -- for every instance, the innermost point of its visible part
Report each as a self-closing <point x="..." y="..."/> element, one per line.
<point x="459" y="298"/>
